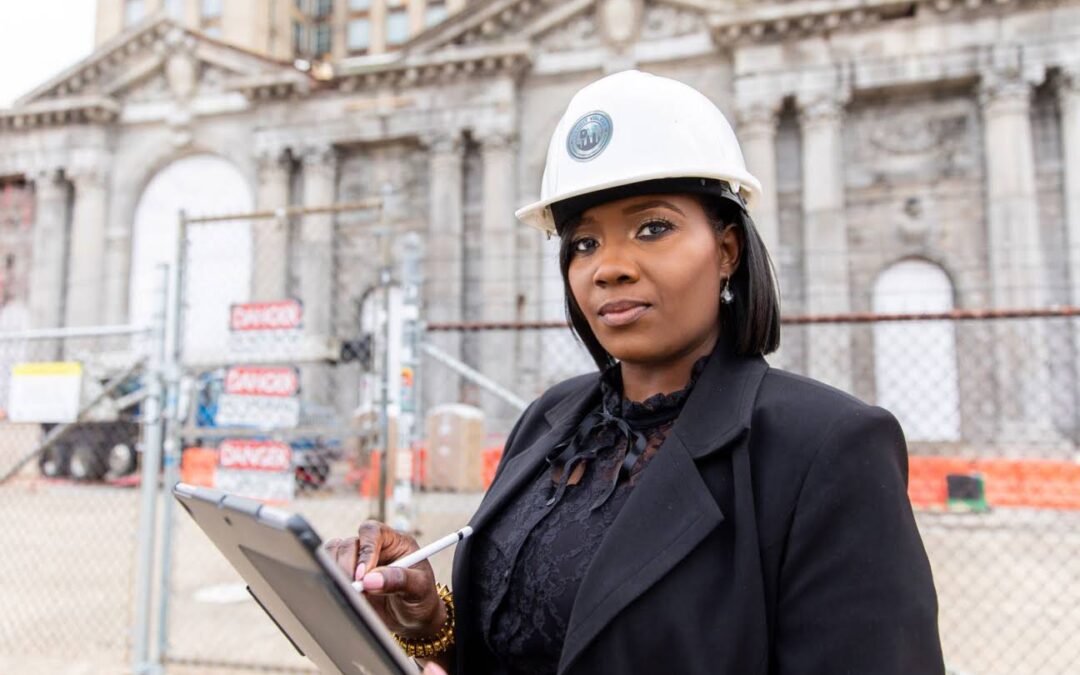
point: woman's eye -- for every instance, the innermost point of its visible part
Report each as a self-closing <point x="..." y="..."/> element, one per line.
<point x="655" y="228"/>
<point x="583" y="245"/>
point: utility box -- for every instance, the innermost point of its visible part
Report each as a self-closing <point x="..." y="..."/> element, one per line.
<point x="455" y="448"/>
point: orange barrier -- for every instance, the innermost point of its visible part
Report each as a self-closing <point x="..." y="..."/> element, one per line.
<point x="492" y="455"/>
<point x="1028" y="483"/>
<point x="197" y="466"/>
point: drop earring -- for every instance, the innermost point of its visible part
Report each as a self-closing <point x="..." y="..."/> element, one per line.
<point x="726" y="296"/>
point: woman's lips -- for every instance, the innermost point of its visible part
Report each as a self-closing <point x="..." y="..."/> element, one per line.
<point x="624" y="317"/>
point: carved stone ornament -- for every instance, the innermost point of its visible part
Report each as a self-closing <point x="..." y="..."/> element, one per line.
<point x="181" y="72"/>
<point x="180" y="121"/>
<point x="665" y="21"/>
<point x="620" y="20"/>
<point x="442" y="143"/>
<point x="577" y="33"/>
<point x="911" y="139"/>
<point x="757" y="118"/>
<point x="915" y="225"/>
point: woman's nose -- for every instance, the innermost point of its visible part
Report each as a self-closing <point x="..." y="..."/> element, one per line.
<point x="614" y="266"/>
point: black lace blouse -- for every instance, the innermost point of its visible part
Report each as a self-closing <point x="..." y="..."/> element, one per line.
<point x="531" y="559"/>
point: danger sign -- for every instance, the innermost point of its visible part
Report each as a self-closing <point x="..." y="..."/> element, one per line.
<point x="254" y="455"/>
<point x="260" y="316"/>
<point x="251" y="381"/>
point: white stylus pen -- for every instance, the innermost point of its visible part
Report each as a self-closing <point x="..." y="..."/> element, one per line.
<point x="425" y="552"/>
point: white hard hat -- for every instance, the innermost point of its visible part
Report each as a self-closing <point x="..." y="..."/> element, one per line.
<point x="633" y="127"/>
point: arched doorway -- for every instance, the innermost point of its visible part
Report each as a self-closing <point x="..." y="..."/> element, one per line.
<point x="218" y="270"/>
<point x="915" y="369"/>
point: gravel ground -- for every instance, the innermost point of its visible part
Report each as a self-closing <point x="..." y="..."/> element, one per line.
<point x="1008" y="581"/>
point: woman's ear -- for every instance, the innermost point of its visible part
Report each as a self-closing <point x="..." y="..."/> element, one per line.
<point x="729" y="248"/>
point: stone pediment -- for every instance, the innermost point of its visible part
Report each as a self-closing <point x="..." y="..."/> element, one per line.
<point x="561" y="25"/>
<point x="159" y="60"/>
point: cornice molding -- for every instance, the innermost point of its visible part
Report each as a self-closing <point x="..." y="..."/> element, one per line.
<point x="435" y="68"/>
<point x="751" y="22"/>
<point x="76" y="110"/>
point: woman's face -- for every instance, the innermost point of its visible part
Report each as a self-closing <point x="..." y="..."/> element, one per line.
<point x="647" y="272"/>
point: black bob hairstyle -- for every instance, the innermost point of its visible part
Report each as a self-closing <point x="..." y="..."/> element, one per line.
<point x="750" y="323"/>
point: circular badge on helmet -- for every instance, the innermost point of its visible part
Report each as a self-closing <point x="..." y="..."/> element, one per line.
<point x="589" y="136"/>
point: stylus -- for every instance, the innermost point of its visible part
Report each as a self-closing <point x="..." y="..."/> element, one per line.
<point x="426" y="552"/>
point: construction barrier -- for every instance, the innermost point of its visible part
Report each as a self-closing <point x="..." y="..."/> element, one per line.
<point x="1030" y="483"/>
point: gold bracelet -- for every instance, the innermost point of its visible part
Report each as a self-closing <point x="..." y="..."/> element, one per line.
<point x="441" y="641"/>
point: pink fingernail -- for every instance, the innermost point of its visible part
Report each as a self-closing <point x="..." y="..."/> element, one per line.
<point x="374" y="581"/>
<point x="359" y="572"/>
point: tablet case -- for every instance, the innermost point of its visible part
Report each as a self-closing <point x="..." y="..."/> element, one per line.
<point x="300" y="588"/>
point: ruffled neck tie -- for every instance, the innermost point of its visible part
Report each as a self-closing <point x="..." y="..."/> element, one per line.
<point x="568" y="454"/>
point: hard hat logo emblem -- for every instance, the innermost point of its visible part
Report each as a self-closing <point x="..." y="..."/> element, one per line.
<point x="589" y="136"/>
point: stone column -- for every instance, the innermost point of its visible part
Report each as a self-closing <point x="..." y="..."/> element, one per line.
<point x="1069" y="104"/>
<point x="315" y="260"/>
<point x="1069" y="100"/>
<point x="498" y="287"/>
<point x="757" y="136"/>
<point x="86" y="266"/>
<point x="317" y="240"/>
<point x="1016" y="261"/>
<point x="269" y="273"/>
<point x="47" y="283"/>
<point x="825" y="248"/>
<point x="444" y="283"/>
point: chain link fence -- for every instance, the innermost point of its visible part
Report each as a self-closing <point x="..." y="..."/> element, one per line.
<point x="988" y="403"/>
<point x="69" y="496"/>
<point x="312" y="373"/>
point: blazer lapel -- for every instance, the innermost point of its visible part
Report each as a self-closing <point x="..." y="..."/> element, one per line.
<point x="562" y="418"/>
<point x="671" y="509"/>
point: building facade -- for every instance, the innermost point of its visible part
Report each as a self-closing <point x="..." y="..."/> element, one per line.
<point x="928" y="144"/>
<point x="324" y="30"/>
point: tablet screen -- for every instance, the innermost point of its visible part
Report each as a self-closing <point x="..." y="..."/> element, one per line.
<point x="305" y="591"/>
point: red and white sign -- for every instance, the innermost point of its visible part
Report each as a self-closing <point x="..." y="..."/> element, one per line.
<point x="262" y="316"/>
<point x="253" y="381"/>
<point x="254" y="455"/>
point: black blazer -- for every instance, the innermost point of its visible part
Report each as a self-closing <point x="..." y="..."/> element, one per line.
<point x="771" y="533"/>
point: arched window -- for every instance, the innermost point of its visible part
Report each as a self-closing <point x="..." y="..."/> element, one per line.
<point x="218" y="269"/>
<point x="915" y="361"/>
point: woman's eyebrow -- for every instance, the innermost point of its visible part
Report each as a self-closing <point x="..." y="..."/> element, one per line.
<point x="651" y="204"/>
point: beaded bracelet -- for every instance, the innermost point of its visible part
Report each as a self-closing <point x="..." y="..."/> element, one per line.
<point x="441" y="641"/>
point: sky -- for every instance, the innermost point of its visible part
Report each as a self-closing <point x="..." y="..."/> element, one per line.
<point x="40" y="38"/>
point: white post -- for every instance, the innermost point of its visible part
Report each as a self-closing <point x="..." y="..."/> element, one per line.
<point x="142" y="662"/>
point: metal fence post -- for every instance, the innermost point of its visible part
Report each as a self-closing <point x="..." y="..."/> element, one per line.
<point x="151" y="460"/>
<point x="172" y="448"/>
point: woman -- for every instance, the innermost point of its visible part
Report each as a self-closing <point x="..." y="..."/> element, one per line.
<point x="689" y="510"/>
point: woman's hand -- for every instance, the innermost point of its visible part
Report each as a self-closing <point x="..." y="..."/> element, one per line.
<point x="433" y="669"/>
<point x="405" y="599"/>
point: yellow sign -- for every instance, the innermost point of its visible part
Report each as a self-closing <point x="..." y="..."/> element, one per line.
<point x="45" y="392"/>
<point x="48" y="368"/>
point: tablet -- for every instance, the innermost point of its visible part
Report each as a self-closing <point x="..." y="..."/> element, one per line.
<point x="296" y="583"/>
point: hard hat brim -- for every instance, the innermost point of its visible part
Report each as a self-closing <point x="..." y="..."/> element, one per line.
<point x="540" y="215"/>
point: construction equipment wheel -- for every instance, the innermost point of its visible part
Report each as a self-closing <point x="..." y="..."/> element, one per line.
<point x="88" y="462"/>
<point x="55" y="461"/>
